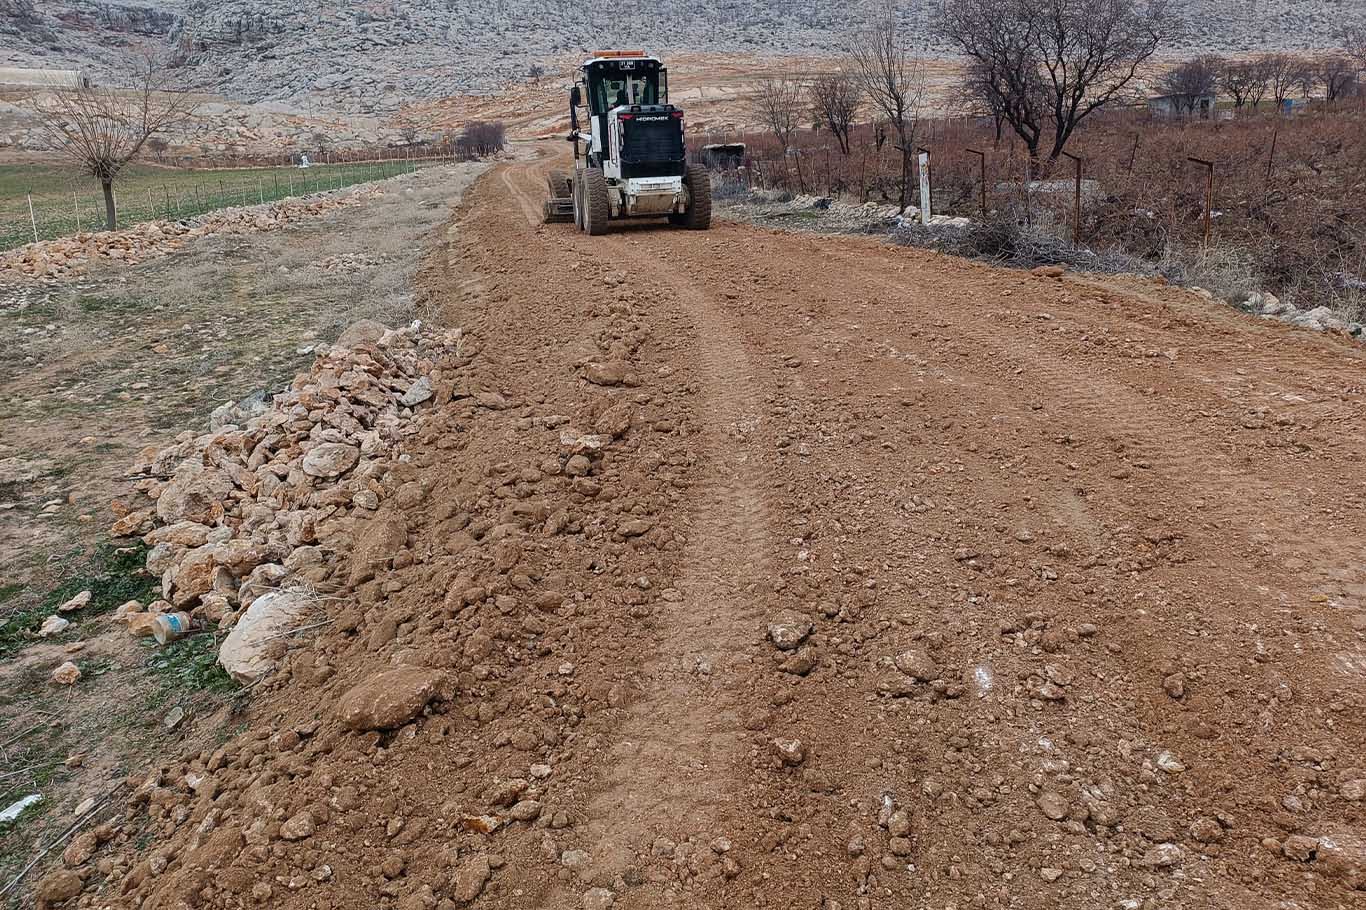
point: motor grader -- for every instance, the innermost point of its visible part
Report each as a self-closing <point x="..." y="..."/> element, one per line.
<point x="630" y="160"/>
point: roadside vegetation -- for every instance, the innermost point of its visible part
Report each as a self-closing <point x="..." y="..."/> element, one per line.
<point x="113" y="576"/>
<point x="1284" y="135"/>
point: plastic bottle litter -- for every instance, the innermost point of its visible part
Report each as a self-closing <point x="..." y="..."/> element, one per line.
<point x="169" y="627"/>
<point x="17" y="809"/>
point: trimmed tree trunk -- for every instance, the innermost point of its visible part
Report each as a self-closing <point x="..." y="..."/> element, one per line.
<point x="111" y="216"/>
<point x="905" y="175"/>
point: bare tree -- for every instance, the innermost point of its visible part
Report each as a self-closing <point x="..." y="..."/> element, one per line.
<point x="1336" y="73"/>
<point x="893" y="77"/>
<point x="1188" y="82"/>
<point x="1284" y="72"/>
<point x="103" y="129"/>
<point x="975" y="96"/>
<point x="481" y="138"/>
<point x="836" y="98"/>
<point x="1261" y="83"/>
<point x="776" y="105"/>
<point x="1307" y="79"/>
<point x="158" y="145"/>
<point x="1050" y="64"/>
<point x="1245" y="80"/>
<point x="408" y="124"/>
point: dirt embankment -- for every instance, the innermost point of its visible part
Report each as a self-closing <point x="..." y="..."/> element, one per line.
<point x="750" y="569"/>
<point x="95" y="370"/>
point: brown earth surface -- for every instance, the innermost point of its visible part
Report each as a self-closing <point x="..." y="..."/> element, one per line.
<point x="896" y="581"/>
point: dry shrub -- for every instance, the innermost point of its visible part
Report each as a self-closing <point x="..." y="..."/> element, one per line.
<point x="1013" y="243"/>
<point x="1226" y="272"/>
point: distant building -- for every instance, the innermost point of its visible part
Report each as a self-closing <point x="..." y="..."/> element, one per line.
<point x="14" y="78"/>
<point x="1201" y="106"/>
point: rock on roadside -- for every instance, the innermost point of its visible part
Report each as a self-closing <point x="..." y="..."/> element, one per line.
<point x="245" y="652"/>
<point x="389" y="699"/>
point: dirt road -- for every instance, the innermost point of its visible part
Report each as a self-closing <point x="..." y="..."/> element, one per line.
<point x="781" y="571"/>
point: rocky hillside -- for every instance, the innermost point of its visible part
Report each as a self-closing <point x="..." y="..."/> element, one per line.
<point x="369" y="55"/>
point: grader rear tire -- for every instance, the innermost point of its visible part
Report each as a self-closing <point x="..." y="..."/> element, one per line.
<point x="597" y="207"/>
<point x="698" y="215"/>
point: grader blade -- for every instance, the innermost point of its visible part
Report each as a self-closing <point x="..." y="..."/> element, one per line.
<point x="559" y="208"/>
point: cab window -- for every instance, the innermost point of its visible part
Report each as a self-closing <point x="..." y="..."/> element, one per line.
<point x="624" y="88"/>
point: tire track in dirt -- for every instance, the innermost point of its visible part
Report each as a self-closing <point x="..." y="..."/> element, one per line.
<point x="1226" y="496"/>
<point x="1159" y="454"/>
<point x="1154" y="437"/>
<point x="530" y="208"/>
<point x="675" y="768"/>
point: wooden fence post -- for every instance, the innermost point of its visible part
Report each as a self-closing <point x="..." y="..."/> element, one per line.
<point x="1209" y="193"/>
<point x="926" y="189"/>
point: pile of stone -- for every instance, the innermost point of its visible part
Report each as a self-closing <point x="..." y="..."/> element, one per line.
<point x="65" y="257"/>
<point x="818" y="214"/>
<point x="245" y="510"/>
<point x="1319" y="319"/>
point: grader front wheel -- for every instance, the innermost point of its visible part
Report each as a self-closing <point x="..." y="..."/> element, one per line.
<point x="698" y="215"/>
<point x="596" y="206"/>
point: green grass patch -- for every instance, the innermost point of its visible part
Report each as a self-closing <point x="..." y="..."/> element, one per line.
<point x="97" y="303"/>
<point x="38" y="752"/>
<point x="187" y="667"/>
<point x="94" y="667"/>
<point x="20" y="628"/>
<point x="66" y="200"/>
<point x="112" y="575"/>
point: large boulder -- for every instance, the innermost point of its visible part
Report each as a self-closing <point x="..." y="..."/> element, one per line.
<point x="364" y="333"/>
<point x="245" y="652"/>
<point x="390" y="699"/>
<point x="57" y="887"/>
<point x="331" y="459"/>
<point x="241" y="556"/>
<point x="264" y="579"/>
<point x="180" y="534"/>
<point x="195" y="494"/>
<point x="1342" y="854"/>
<point x="191" y="579"/>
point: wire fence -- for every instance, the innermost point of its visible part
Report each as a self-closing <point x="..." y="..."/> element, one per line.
<point x="186" y="195"/>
